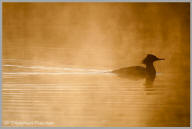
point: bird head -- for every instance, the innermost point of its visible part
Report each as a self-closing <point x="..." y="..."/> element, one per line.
<point x="150" y="59"/>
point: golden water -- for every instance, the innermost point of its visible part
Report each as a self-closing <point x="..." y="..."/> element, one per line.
<point x="89" y="98"/>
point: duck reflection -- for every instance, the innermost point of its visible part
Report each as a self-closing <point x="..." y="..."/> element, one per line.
<point x="138" y="72"/>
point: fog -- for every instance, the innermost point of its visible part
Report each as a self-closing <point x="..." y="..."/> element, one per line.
<point x="97" y="35"/>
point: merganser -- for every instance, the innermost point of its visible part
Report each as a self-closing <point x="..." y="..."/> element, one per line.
<point x="139" y="72"/>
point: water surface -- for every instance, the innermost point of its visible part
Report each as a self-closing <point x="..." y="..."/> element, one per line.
<point x="75" y="97"/>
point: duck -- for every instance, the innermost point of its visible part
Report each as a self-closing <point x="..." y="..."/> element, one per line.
<point x="138" y="72"/>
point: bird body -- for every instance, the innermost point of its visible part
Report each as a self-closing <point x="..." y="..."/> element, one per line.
<point x="138" y="72"/>
<point x="134" y="72"/>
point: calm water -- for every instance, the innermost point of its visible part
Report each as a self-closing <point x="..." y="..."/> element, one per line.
<point x="83" y="97"/>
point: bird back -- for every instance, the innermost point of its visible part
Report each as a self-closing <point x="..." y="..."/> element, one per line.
<point x="134" y="72"/>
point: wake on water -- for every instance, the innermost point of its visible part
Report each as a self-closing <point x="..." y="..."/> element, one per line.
<point x="62" y="70"/>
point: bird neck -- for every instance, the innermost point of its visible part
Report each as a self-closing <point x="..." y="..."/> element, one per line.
<point x="150" y="68"/>
<point x="150" y="73"/>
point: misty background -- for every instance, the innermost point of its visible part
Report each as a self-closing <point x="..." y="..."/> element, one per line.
<point x="97" y="35"/>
